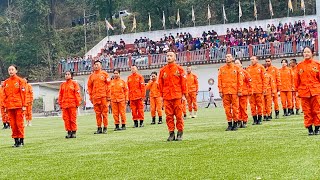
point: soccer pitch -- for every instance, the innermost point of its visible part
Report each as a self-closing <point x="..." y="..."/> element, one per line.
<point x="280" y="149"/>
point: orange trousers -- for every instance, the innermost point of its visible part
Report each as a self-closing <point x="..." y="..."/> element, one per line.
<point x="275" y="102"/>
<point x="256" y="104"/>
<point x="174" y="108"/>
<point x="286" y="99"/>
<point x="137" y="109"/>
<point x="28" y="112"/>
<point x="311" y="110"/>
<point x="101" y="109"/>
<point x="156" y="105"/>
<point x="192" y="101"/>
<point x="231" y="106"/>
<point x="267" y="104"/>
<point x="16" y="122"/>
<point x="69" y="116"/>
<point x="119" y="109"/>
<point x="243" y="108"/>
<point x="296" y="101"/>
<point x="184" y="107"/>
<point x="4" y="115"/>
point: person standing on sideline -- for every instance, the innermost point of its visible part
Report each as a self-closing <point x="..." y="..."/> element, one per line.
<point x="307" y="83"/>
<point x="296" y="102"/>
<point x="4" y="114"/>
<point x="69" y="100"/>
<point x="246" y="93"/>
<point x="230" y="88"/>
<point x="119" y="100"/>
<point x="137" y="94"/>
<point x="29" y="101"/>
<point x="173" y="89"/>
<point x="15" y="104"/>
<point x="257" y="73"/>
<point x="287" y="86"/>
<point x="211" y="98"/>
<point x="99" y="92"/>
<point x="155" y="98"/>
<point x="274" y="72"/>
<point x="192" y="87"/>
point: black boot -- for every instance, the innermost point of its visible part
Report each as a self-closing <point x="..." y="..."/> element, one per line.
<point x="153" y="120"/>
<point x="310" y="130"/>
<point x="117" y="128"/>
<point x="16" y="142"/>
<point x="171" y="136"/>
<point x="136" y="124"/>
<point x="160" y="120"/>
<point x="99" y="131"/>
<point x="141" y="123"/>
<point x="123" y="127"/>
<point x="297" y="112"/>
<point x="179" y="136"/>
<point x="255" y="120"/>
<point x="240" y="124"/>
<point x="235" y="126"/>
<point x="285" y="113"/>
<point x="73" y="134"/>
<point x="21" y="141"/>
<point x="229" y="128"/>
<point x="289" y="112"/>
<point x="68" y="135"/>
<point x="264" y="118"/>
<point x="105" y="129"/>
<point x="270" y="117"/>
<point x="184" y="116"/>
<point x="4" y="126"/>
<point x="259" y="120"/>
<point x="215" y="104"/>
<point x="244" y="125"/>
<point x="8" y="125"/>
<point x="208" y="105"/>
<point x="277" y="114"/>
<point x="316" y="130"/>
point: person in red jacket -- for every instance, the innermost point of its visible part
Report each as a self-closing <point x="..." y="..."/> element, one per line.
<point x="4" y="114"/>
<point x="69" y="100"/>
<point x="29" y="101"/>
<point x="15" y="104"/>
<point x="287" y="87"/>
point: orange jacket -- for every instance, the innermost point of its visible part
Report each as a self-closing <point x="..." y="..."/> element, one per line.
<point x="118" y="90"/>
<point x="69" y="95"/>
<point x="246" y="85"/>
<point x="29" y="94"/>
<point x="192" y="83"/>
<point x="230" y="80"/>
<point x="98" y="86"/>
<point x="172" y="82"/>
<point x="153" y="86"/>
<point x="136" y="87"/>
<point x="307" y="81"/>
<point x="287" y="79"/>
<point x="14" y="93"/>
<point x="257" y="73"/>
<point x="271" y="87"/>
<point x="275" y="73"/>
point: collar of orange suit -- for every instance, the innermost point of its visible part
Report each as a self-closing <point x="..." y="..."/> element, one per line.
<point x="97" y="71"/>
<point x="308" y="60"/>
<point x="13" y="77"/>
<point x="171" y="64"/>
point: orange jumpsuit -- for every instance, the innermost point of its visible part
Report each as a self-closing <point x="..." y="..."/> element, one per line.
<point x="4" y="114"/>
<point x="119" y="97"/>
<point x="274" y="72"/>
<point x="99" y="92"/>
<point x="230" y="85"/>
<point x="246" y="92"/>
<point x="172" y="85"/>
<point x="307" y="83"/>
<point x="192" y="87"/>
<point x="29" y="101"/>
<point x="155" y="98"/>
<point x="287" y="83"/>
<point x="69" y="100"/>
<point x="257" y="73"/>
<point x="137" y="93"/>
<point x="271" y="90"/>
<point x="296" y="102"/>
<point x="14" y="100"/>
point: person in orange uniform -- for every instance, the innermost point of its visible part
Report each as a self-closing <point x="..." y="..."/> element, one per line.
<point x="246" y="93"/>
<point x="155" y="98"/>
<point x="287" y="83"/>
<point x="99" y="92"/>
<point x="4" y="114"/>
<point x="307" y="83"/>
<point x="173" y="88"/>
<point x="192" y="87"/>
<point x="29" y="101"/>
<point x="257" y="73"/>
<point x="15" y="104"/>
<point x="296" y="102"/>
<point x="69" y="100"/>
<point x="137" y="94"/>
<point x="119" y="100"/>
<point x="184" y="108"/>
<point x="230" y="87"/>
<point x="271" y="91"/>
<point x="274" y="72"/>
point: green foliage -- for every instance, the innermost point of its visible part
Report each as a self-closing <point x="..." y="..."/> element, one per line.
<point x="37" y="106"/>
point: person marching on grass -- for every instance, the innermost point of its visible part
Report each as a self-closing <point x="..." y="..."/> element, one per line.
<point x="69" y="100"/>
<point x="287" y="87"/>
<point x="307" y="83"/>
<point x="119" y="100"/>
<point x="192" y="87"/>
<point x="211" y="98"/>
<point x="155" y="98"/>
<point x="296" y="102"/>
<point x="15" y="104"/>
<point x="29" y="101"/>
<point x="4" y="114"/>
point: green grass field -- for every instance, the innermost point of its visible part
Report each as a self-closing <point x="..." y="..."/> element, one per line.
<point x="279" y="149"/>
